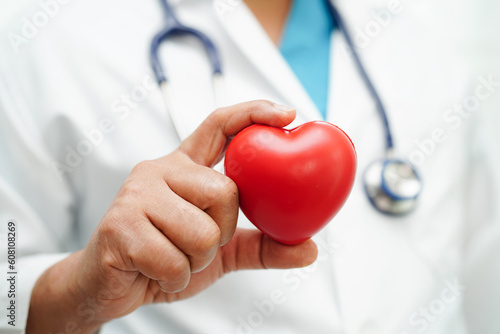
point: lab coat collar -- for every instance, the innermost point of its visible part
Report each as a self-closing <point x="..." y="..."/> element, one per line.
<point x="247" y="34"/>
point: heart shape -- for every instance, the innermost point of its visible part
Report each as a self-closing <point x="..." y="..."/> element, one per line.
<point x="291" y="182"/>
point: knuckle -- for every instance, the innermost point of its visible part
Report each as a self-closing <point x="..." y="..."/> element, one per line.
<point x="249" y="107"/>
<point x="107" y="230"/>
<point x="210" y="189"/>
<point x="228" y="191"/>
<point x="256" y="105"/>
<point x="208" y="239"/>
<point x="133" y="188"/>
<point x="220" y="189"/>
<point x="135" y="252"/>
<point x="215" y="117"/>
<point x="146" y="166"/>
<point x="178" y="269"/>
<point x="108" y="262"/>
<point x="110" y="237"/>
<point x="216" y="114"/>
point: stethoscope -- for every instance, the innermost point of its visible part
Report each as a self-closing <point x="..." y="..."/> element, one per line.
<point x="391" y="184"/>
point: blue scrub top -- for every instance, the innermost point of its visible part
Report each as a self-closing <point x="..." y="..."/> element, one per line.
<point x="305" y="44"/>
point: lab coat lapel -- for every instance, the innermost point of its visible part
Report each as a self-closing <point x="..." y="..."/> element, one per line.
<point x="247" y="34"/>
<point x="349" y="103"/>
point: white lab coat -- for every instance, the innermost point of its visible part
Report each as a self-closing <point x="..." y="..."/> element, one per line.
<point x="374" y="275"/>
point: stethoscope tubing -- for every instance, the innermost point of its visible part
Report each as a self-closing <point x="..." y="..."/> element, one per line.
<point x="173" y="27"/>
<point x="366" y="78"/>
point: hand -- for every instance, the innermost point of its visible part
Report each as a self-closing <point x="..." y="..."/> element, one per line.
<point x="169" y="233"/>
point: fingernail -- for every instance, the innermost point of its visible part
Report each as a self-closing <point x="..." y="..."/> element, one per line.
<point x="284" y="108"/>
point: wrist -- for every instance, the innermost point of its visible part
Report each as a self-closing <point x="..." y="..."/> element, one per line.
<point x="58" y="304"/>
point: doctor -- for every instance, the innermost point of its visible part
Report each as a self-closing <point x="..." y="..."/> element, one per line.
<point x="117" y="216"/>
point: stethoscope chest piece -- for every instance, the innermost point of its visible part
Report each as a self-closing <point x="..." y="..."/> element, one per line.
<point x="393" y="186"/>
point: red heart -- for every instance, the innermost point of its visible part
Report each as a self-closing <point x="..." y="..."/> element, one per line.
<point x="291" y="182"/>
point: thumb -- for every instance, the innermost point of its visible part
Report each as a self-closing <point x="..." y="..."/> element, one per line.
<point x="210" y="139"/>
<point x="250" y="249"/>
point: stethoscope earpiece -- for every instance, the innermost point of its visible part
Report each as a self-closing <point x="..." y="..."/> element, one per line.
<point x="392" y="186"/>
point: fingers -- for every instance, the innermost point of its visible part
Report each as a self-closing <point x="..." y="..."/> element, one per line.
<point x="190" y="229"/>
<point x="250" y="249"/>
<point x="160" y="260"/>
<point x="205" y="145"/>
<point x="181" y="210"/>
<point x="208" y="190"/>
